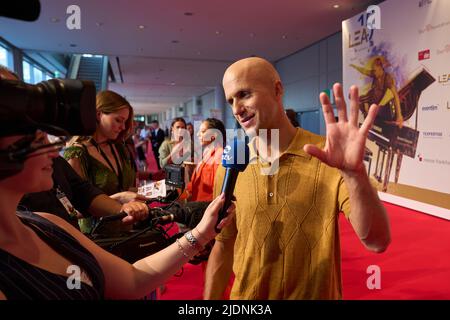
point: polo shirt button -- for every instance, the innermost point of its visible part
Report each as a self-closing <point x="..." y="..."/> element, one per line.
<point x="271" y="194"/>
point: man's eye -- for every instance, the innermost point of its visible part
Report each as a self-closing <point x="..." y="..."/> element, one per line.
<point x="244" y="94"/>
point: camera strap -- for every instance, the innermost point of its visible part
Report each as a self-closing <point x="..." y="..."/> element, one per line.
<point x="119" y="173"/>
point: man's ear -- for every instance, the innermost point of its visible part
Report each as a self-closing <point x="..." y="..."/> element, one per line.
<point x="279" y="90"/>
<point x="98" y="115"/>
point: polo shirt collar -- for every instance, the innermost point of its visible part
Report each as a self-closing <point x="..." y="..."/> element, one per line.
<point x="295" y="147"/>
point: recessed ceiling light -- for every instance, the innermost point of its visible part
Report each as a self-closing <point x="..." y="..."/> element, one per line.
<point x="218" y="32"/>
<point x="284" y="37"/>
<point x="252" y="35"/>
<point x="141" y="27"/>
<point x="175" y="41"/>
<point x="54" y="20"/>
<point x="172" y="83"/>
<point x="73" y="45"/>
<point x="99" y="24"/>
<point x="336" y="6"/>
<point x="199" y="53"/>
<point x="188" y="14"/>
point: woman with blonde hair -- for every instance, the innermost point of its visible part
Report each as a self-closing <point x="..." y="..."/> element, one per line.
<point x="103" y="158"/>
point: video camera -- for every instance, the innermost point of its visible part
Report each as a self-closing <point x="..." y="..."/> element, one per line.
<point x="59" y="107"/>
<point x="150" y="236"/>
<point x="174" y="175"/>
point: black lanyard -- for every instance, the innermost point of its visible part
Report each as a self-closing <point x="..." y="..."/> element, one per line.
<point x="116" y="159"/>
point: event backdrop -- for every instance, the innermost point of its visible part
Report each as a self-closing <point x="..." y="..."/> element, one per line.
<point x="399" y="55"/>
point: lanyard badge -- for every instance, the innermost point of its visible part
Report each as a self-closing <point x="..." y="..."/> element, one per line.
<point x="71" y="211"/>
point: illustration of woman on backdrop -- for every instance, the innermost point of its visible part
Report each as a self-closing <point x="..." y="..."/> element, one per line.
<point x="382" y="92"/>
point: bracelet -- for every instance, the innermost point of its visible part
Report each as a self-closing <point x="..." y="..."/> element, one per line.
<point x="193" y="241"/>
<point x="181" y="249"/>
<point x="199" y="234"/>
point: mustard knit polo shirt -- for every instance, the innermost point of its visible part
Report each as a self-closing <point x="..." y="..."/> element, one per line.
<point x="286" y="226"/>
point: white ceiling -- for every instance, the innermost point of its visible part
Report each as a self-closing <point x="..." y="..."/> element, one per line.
<point x="159" y="74"/>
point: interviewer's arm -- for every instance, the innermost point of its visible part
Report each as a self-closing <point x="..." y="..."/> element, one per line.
<point x="134" y="281"/>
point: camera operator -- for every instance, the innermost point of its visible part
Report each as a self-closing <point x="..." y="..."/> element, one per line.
<point x="72" y="195"/>
<point x="39" y="251"/>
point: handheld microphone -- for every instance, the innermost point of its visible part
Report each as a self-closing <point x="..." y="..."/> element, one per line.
<point x="188" y="214"/>
<point x="235" y="159"/>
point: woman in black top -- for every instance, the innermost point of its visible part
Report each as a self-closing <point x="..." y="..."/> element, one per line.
<point x="44" y="257"/>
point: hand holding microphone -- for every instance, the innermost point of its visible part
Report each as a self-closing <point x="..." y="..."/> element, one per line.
<point x="210" y="223"/>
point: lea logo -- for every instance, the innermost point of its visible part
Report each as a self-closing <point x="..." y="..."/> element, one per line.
<point x="359" y="37"/>
<point x="369" y="21"/>
<point x="424" y="55"/>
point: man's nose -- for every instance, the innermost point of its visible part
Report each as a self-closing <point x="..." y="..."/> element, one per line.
<point x="238" y="109"/>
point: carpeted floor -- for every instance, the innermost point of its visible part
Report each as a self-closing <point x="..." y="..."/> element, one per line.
<point x="415" y="266"/>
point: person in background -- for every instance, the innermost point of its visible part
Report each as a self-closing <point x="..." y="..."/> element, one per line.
<point x="157" y="138"/>
<point x="145" y="132"/>
<point x="171" y="151"/>
<point x="212" y="138"/>
<point x="103" y="159"/>
<point x="291" y="114"/>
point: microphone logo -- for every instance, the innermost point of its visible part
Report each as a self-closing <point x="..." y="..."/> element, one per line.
<point x="226" y="156"/>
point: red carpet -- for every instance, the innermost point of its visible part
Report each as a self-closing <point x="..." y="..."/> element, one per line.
<point x="415" y="266"/>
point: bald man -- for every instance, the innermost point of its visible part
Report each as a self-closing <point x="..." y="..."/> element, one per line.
<point x="284" y="243"/>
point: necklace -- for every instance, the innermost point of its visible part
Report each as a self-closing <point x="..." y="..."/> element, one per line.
<point x="119" y="173"/>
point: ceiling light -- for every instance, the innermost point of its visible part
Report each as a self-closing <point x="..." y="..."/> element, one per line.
<point x="188" y="14"/>
<point x="175" y="41"/>
<point x="218" y="33"/>
<point x="336" y="6"/>
<point x="284" y="37"/>
<point x="141" y="27"/>
<point x="172" y="83"/>
<point x="54" y="20"/>
<point x="73" y="45"/>
<point x="99" y="24"/>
